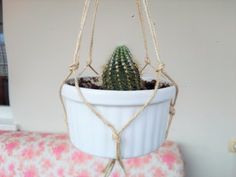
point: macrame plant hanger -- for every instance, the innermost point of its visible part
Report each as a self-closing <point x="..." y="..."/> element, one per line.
<point x="142" y="5"/>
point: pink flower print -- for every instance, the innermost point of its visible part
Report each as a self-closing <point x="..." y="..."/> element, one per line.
<point x="159" y="173"/>
<point x="41" y="144"/>
<point x="2" y="173"/>
<point x="40" y="148"/>
<point x="134" y="162"/>
<point x="141" y="175"/>
<point x="138" y="162"/>
<point x="17" y="134"/>
<point x="71" y="170"/>
<point x="47" y="164"/>
<point x="116" y="174"/>
<point x="169" y="158"/>
<point x="84" y="174"/>
<point x="62" y="137"/>
<point x="28" y="153"/>
<point x="58" y="150"/>
<point x="99" y="167"/>
<point x="79" y="157"/>
<point x="11" y="168"/>
<point x="44" y="135"/>
<point x="31" y="172"/>
<point x="2" y="132"/>
<point x="1" y="159"/>
<point x="60" y="172"/>
<point x="136" y="175"/>
<point x="30" y="139"/>
<point x="11" y="146"/>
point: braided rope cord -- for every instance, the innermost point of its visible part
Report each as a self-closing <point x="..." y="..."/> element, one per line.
<point x="159" y="70"/>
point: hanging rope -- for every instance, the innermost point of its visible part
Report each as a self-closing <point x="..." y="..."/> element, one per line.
<point x="172" y="104"/>
<point x="75" y="65"/>
<point x="141" y="19"/>
<point x="159" y="72"/>
<point x="79" y="38"/>
<point x="152" y="30"/>
<point x="90" y="58"/>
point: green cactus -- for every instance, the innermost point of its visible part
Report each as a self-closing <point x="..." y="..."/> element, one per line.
<point x="121" y="73"/>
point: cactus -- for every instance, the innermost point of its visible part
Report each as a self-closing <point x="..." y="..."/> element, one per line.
<point x="121" y="73"/>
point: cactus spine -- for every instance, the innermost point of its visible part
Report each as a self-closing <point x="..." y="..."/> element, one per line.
<point x="121" y="73"/>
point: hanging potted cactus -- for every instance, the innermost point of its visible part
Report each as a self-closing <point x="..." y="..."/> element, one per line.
<point x="120" y="114"/>
<point x="117" y="95"/>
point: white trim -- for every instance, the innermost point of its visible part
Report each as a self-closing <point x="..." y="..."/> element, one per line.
<point x="5" y="112"/>
<point x="6" y="119"/>
<point x="8" y="125"/>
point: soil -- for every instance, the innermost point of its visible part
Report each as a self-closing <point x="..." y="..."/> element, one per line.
<point x="95" y="83"/>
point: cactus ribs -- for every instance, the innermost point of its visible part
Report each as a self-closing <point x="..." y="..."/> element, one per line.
<point x="121" y="72"/>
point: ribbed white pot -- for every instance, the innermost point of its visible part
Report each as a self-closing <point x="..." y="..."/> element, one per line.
<point x="143" y="136"/>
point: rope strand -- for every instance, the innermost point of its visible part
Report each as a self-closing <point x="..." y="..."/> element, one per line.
<point x="90" y="58"/>
<point x="141" y="19"/>
<point x="82" y="25"/>
<point x="152" y="30"/>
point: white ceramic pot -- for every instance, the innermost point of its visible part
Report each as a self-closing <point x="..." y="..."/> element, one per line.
<point x="143" y="136"/>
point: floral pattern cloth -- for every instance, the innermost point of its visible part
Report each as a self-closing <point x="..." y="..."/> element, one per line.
<point x="28" y="154"/>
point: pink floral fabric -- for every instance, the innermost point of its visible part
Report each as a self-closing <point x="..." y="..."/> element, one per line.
<point x="27" y="154"/>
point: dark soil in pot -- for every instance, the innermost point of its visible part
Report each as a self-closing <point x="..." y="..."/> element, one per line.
<point x="95" y="83"/>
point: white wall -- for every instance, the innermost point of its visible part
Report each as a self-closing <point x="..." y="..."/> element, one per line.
<point x="198" y="40"/>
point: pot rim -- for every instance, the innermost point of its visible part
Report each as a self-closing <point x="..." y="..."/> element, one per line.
<point x="117" y="98"/>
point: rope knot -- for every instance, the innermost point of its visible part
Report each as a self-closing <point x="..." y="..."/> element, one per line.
<point x="116" y="137"/>
<point x="74" y="67"/>
<point x="172" y="110"/>
<point x="147" y="60"/>
<point x="160" y="67"/>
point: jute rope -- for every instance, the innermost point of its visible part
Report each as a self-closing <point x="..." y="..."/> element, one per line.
<point x="159" y="70"/>
<point x="152" y="30"/>
<point x="90" y="58"/>
<point x="79" y="38"/>
<point x="141" y="19"/>
<point x="75" y="65"/>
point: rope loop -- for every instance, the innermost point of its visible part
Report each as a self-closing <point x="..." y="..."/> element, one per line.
<point x="116" y="137"/>
<point x="74" y="67"/>
<point x="160" y="67"/>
